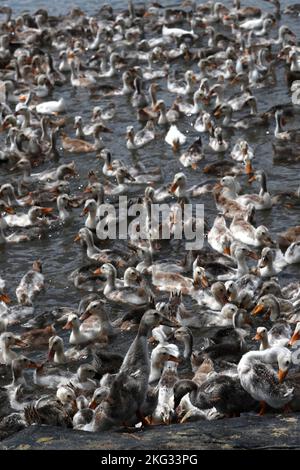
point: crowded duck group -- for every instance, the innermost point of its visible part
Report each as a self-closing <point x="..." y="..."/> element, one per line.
<point x="189" y="96"/>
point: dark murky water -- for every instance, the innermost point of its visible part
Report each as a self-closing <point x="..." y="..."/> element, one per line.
<point x="60" y="256"/>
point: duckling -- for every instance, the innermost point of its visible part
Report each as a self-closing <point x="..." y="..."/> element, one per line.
<point x="50" y="411"/>
<point x="259" y="379"/>
<point x="84" y="414"/>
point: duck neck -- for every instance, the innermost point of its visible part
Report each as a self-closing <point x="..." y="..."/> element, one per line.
<point x="263" y="189"/>
<point x="18" y="377"/>
<point x="242" y="267"/>
<point x="91" y="221"/>
<point x="110" y="283"/>
<point x="264" y="343"/>
<point x="59" y="356"/>
<point x="91" y="248"/>
<point x="188" y="346"/>
<point x="228" y="116"/>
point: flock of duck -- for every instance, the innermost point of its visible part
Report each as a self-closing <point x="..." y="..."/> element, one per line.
<point x="210" y="333"/>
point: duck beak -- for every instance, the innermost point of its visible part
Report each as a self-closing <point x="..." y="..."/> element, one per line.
<point x="175" y="145"/>
<point x="262" y="263"/>
<point x="85" y="315"/>
<point x="174" y="187"/>
<point x="77" y="238"/>
<point x="253" y="255"/>
<point x="87" y="190"/>
<point x="5" y="298"/>
<point x="194" y="166"/>
<point x="21" y="343"/>
<point x="204" y="281"/>
<point x="110" y="167"/>
<point x="251" y="179"/>
<point x="226" y="250"/>
<point x="9" y="210"/>
<point x="85" y="211"/>
<point x="248" y="169"/>
<point x="218" y="112"/>
<point x="281" y="375"/>
<point x="258" y="309"/>
<point x="68" y="326"/>
<point x="93" y="405"/>
<point x="46" y="210"/>
<point x="194" y="78"/>
<point x="33" y="365"/>
<point x="174" y="359"/>
<point x="294" y="338"/>
<point x="257" y="337"/>
<point x="22" y="98"/>
<point x="98" y="271"/>
<point x="217" y="186"/>
<point x="51" y="354"/>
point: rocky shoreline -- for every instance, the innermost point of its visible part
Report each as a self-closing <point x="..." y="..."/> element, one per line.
<point x="246" y="432"/>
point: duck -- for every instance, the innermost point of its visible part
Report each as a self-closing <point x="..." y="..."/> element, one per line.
<point x="94" y="316"/>
<point x="51" y="107"/>
<point x="246" y="233"/>
<point x="259" y="379"/>
<point x="193" y="155"/>
<point x="8" y="341"/>
<point x="185" y="336"/>
<point x="261" y="201"/>
<point x="78" y="336"/>
<point x="219" y="236"/>
<point x="168" y="281"/>
<point x="134" y="296"/>
<point x="216" y="141"/>
<point x="58" y="355"/>
<point x="268" y="303"/>
<point x="129" y="388"/>
<point x="268" y="265"/>
<point x="185" y="88"/>
<point x="263" y="336"/>
<point x="31" y="284"/>
<point x="161" y="354"/>
<point x="140" y="139"/>
<point x="164" y="411"/>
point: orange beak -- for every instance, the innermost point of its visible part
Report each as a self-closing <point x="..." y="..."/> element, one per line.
<point x="258" y="309"/>
<point x="77" y="238"/>
<point x="51" y="354"/>
<point x="294" y="338"/>
<point x="217" y="113"/>
<point x="252" y="255"/>
<point x="109" y="167"/>
<point x="204" y="281"/>
<point x="5" y="298"/>
<point x="253" y="178"/>
<point x="174" y="187"/>
<point x="84" y="316"/>
<point x="281" y="375"/>
<point x="248" y="169"/>
<point x="87" y="190"/>
<point x="226" y="250"/>
<point x="174" y="359"/>
<point x="68" y="326"/>
<point x="9" y="210"/>
<point x="194" y="166"/>
<point x="46" y="210"/>
<point x="85" y="211"/>
<point x="93" y="405"/>
<point x="21" y="343"/>
<point x="98" y="271"/>
<point x="22" y="98"/>
<point x="257" y="337"/>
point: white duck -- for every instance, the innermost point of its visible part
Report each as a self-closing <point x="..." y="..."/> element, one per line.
<point x="51" y="107"/>
<point x="175" y="138"/>
<point x="260" y="380"/>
